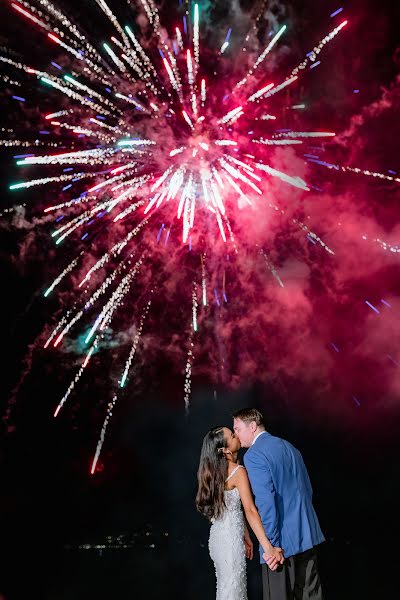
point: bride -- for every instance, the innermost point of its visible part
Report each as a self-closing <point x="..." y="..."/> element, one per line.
<point x="223" y="488"/>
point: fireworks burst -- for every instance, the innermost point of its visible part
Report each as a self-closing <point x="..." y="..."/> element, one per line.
<point x="150" y="150"/>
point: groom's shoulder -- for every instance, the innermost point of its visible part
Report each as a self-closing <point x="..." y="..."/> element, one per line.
<point x="268" y="439"/>
<point x="259" y="446"/>
<point x="270" y="444"/>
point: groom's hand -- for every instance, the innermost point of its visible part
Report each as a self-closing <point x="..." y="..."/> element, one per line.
<point x="274" y="558"/>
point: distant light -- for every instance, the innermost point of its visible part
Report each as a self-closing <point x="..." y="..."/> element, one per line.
<point x="160" y="232"/>
<point x="393" y="360"/>
<point x="373" y="307"/>
<point x="386" y="303"/>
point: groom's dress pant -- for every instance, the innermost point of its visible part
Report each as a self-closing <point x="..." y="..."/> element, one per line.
<point x="296" y="579"/>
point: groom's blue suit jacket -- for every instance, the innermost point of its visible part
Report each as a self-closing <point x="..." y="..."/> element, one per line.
<point x="283" y="494"/>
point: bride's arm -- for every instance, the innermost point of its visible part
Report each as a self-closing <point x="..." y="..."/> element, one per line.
<point x="247" y="541"/>
<point x="241" y="481"/>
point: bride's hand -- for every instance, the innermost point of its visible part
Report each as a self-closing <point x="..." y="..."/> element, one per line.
<point x="248" y="544"/>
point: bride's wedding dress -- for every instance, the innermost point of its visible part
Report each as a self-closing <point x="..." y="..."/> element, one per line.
<point x="227" y="549"/>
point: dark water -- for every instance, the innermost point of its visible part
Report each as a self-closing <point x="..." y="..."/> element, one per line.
<point x="176" y="570"/>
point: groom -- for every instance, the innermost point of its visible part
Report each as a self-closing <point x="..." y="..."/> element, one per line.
<point x="283" y="496"/>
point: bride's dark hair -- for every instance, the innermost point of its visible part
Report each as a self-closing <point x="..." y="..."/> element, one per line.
<point x="211" y="475"/>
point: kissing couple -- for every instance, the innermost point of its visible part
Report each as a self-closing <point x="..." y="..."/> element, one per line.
<point x="283" y="518"/>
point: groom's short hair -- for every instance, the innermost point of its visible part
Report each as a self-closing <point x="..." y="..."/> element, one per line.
<point x="250" y="414"/>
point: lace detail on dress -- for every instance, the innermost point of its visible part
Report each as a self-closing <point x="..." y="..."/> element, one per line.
<point x="227" y="550"/>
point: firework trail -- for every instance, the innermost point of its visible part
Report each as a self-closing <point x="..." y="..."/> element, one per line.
<point x="143" y="139"/>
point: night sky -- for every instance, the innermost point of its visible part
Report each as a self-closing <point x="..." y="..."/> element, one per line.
<point x="319" y="362"/>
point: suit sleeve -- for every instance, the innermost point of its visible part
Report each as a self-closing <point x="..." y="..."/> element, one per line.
<point x="306" y="476"/>
<point x="265" y="497"/>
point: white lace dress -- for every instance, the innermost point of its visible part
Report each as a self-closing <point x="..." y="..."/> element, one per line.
<point x="227" y="550"/>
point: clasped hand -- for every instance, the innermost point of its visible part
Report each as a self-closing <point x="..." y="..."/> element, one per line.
<point x="274" y="558"/>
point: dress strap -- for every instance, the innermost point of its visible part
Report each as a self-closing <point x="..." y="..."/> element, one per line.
<point x="234" y="471"/>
